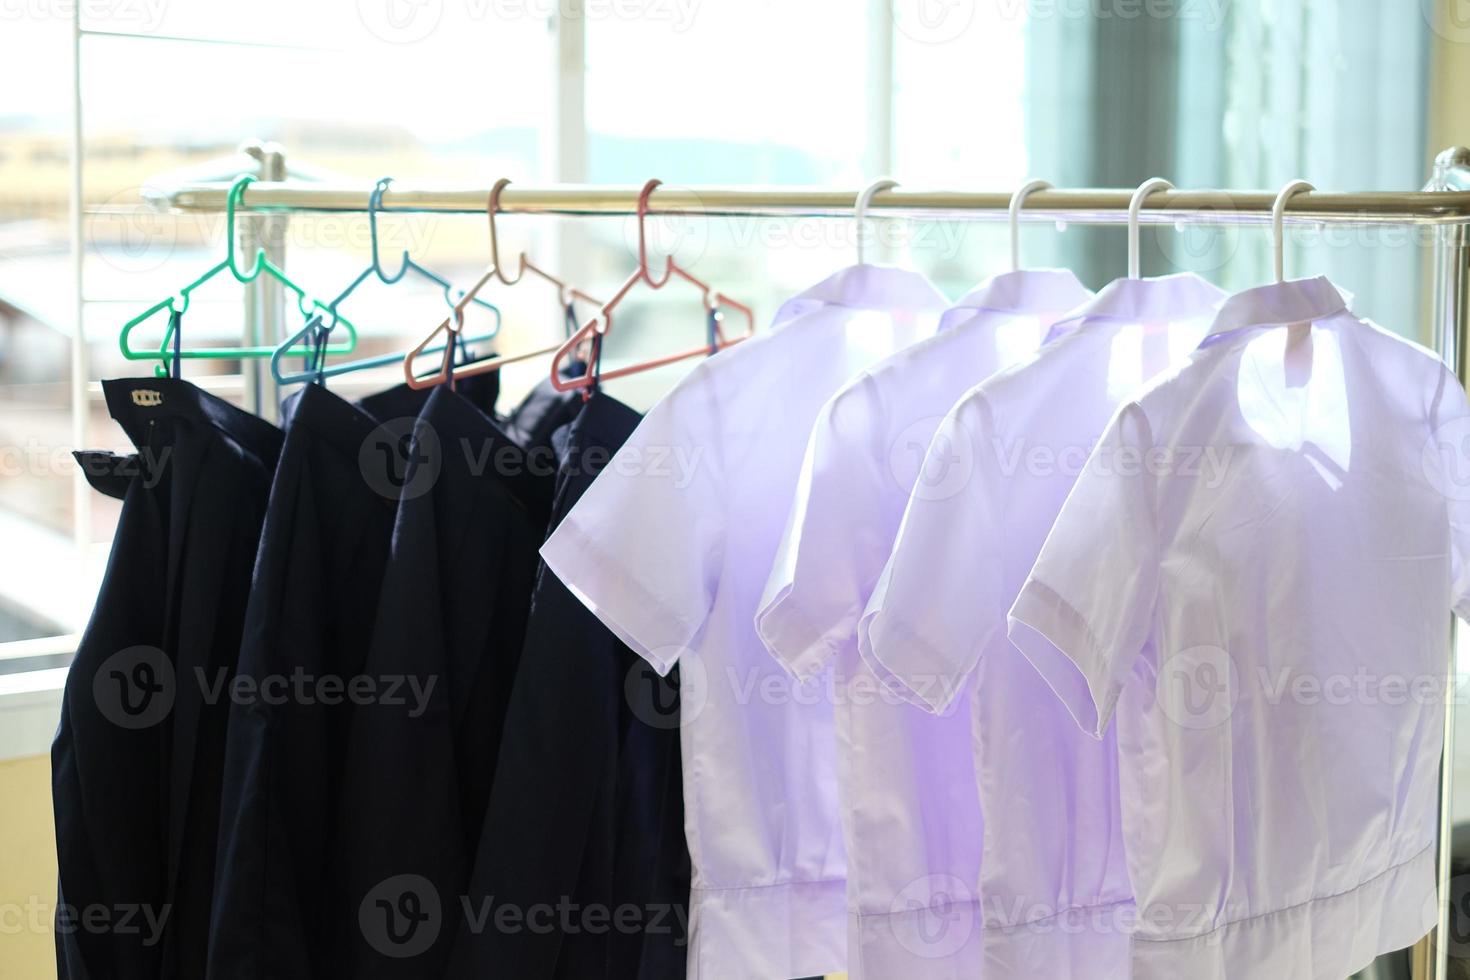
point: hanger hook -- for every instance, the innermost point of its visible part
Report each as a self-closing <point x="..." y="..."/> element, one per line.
<point x="643" y="197"/>
<point x="236" y="195"/>
<point x="375" y="204"/>
<point x="491" y="207"/>
<point x="1134" y="206"/>
<point x="1278" y="223"/>
<point x="1018" y="199"/>
<point x="860" y="209"/>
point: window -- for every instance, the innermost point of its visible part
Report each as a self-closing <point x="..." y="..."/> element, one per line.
<point x="961" y="94"/>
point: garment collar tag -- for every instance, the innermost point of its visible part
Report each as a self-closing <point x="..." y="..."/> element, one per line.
<point x="1298" y="359"/>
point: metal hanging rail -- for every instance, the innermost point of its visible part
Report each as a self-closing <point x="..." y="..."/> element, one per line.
<point x="1101" y="207"/>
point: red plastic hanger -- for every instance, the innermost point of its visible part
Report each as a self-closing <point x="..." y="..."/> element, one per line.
<point x="596" y="329"/>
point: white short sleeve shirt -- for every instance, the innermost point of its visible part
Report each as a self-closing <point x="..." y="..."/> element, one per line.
<point x="671" y="546"/>
<point x="1253" y="576"/>
<point x="911" y="808"/>
<point x="1056" y="894"/>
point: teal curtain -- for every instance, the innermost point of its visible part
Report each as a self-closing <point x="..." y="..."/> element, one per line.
<point x="1243" y="94"/>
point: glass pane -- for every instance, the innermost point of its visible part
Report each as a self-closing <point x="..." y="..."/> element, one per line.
<point x="358" y="107"/>
<point x="37" y="596"/>
<point x="959" y="121"/>
<point x="710" y="93"/>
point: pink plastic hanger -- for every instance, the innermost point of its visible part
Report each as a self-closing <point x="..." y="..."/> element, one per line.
<point x="596" y="329"/>
<point x="566" y="295"/>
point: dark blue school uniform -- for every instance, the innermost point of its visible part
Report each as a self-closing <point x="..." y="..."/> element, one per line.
<point x="137" y="759"/>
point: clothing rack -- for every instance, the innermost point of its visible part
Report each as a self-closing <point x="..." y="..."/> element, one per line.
<point x="1443" y="205"/>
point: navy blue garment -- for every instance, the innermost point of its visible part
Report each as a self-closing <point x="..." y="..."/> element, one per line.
<point x="137" y="759"/>
<point x="585" y="830"/>
<point x="544" y="410"/>
<point x="323" y="551"/>
<point x="450" y="626"/>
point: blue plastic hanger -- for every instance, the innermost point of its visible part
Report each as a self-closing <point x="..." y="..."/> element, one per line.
<point x="318" y="328"/>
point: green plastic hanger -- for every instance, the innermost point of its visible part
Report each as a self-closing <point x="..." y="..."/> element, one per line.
<point x="177" y="304"/>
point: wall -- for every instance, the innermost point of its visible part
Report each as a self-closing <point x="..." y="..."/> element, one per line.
<point x="1449" y="109"/>
<point x="27" y="869"/>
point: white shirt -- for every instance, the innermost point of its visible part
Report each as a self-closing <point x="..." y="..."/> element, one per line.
<point x="671" y="546"/>
<point x="912" y="818"/>
<point x="1269" y="627"/>
<point x="1055" y="887"/>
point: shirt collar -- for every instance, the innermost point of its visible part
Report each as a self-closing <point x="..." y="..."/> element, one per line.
<point x="1277" y="303"/>
<point x="1024" y="291"/>
<point x="867" y="287"/>
<point x="1180" y="296"/>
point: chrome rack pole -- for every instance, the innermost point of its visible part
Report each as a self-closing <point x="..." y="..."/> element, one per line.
<point x="1074" y="206"/>
<point x="1451" y="306"/>
<point x="81" y="496"/>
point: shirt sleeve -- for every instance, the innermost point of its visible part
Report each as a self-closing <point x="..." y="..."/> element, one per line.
<point x="833" y="546"/>
<point x="643" y="547"/>
<point x="1086" y="610"/>
<point x="938" y="600"/>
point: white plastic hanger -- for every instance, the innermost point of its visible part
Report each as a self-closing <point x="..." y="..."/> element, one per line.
<point x="1017" y="200"/>
<point x="1278" y="229"/>
<point x="860" y="210"/>
<point x="1134" y="206"/>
